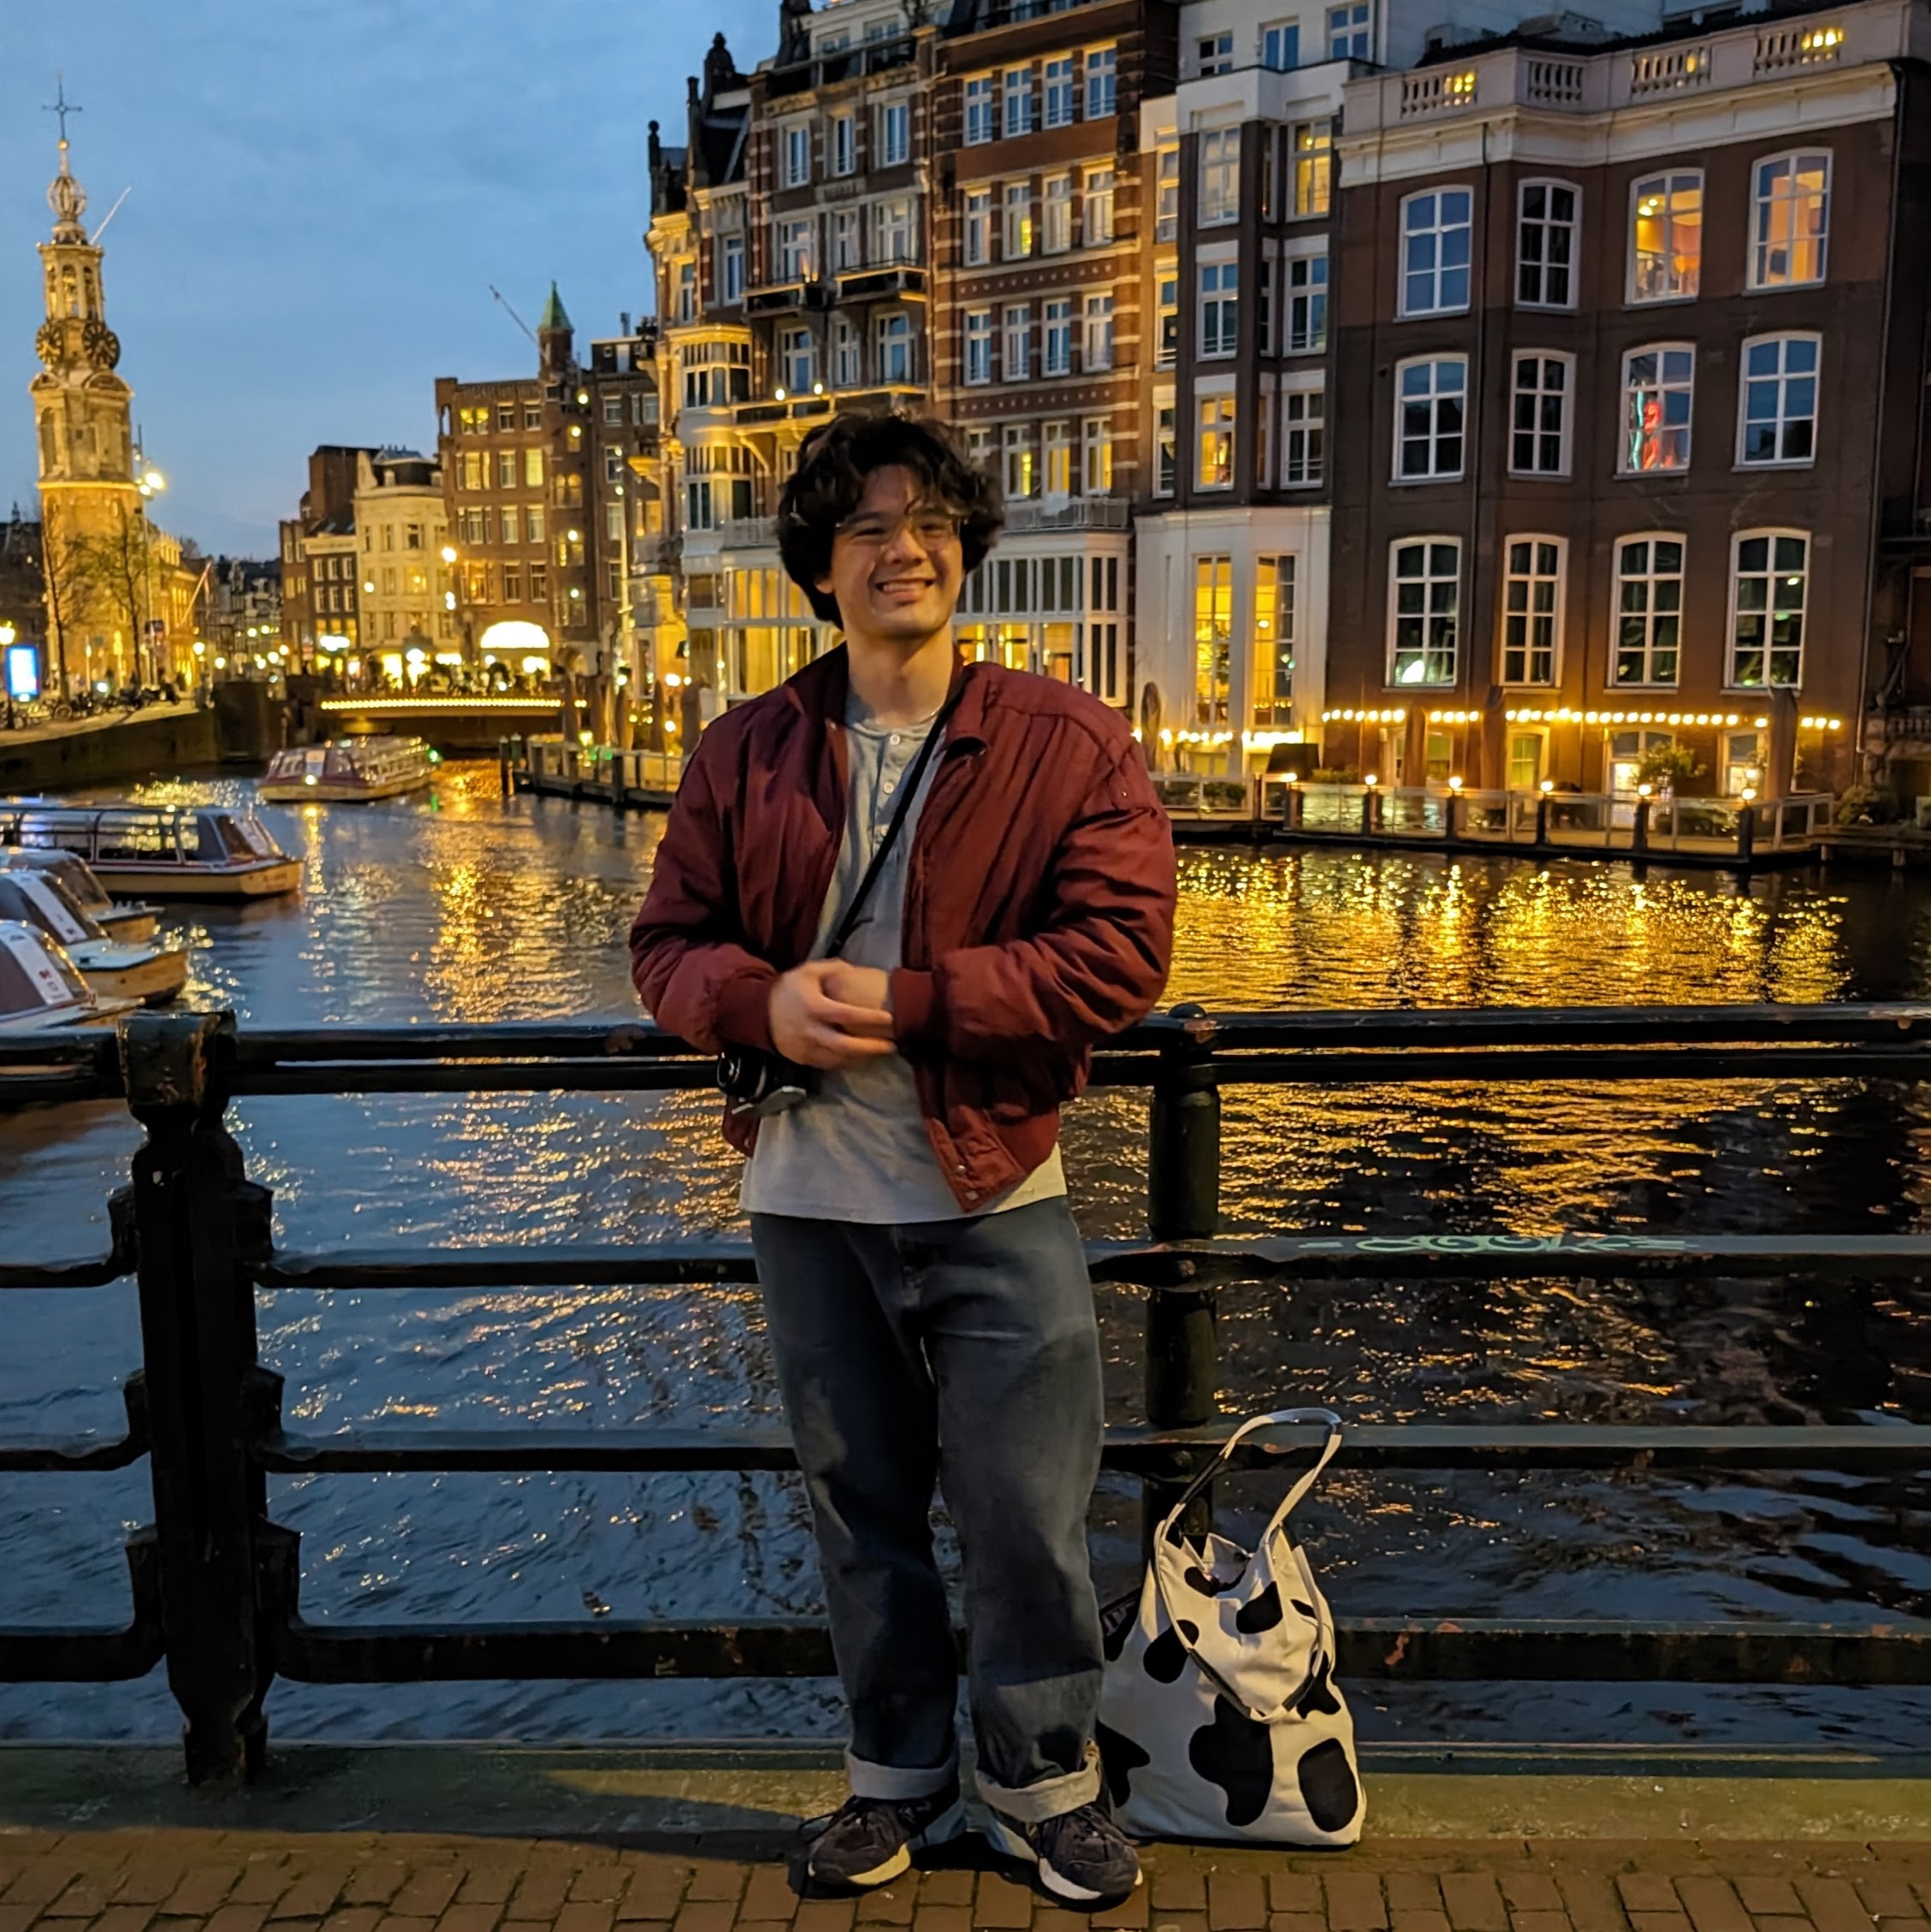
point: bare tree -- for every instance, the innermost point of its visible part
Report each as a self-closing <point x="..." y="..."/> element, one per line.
<point x="117" y="562"/>
<point x="67" y="577"/>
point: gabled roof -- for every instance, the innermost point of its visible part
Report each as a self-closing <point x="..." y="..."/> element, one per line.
<point x="554" y="316"/>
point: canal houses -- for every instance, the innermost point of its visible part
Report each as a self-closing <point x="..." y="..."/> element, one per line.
<point x="1631" y="336"/>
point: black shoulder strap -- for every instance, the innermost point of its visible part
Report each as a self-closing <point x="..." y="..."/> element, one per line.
<point x="907" y="792"/>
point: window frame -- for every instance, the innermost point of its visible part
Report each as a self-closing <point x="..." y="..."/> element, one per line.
<point x="1226" y="203"/>
<point x="1754" y="279"/>
<point x="1096" y="324"/>
<point x="1549" y="224"/>
<point x="1060" y="327"/>
<point x="1557" y="616"/>
<point x="1060" y="87"/>
<point x="1222" y="298"/>
<point x="1345" y="24"/>
<point x="1669" y="179"/>
<point x="1057" y="209"/>
<point x="797" y="137"/>
<point x="1092" y="197"/>
<point x="1566" y="433"/>
<point x="1404" y="236"/>
<point x="1287" y="33"/>
<point x="1615" y="681"/>
<point x="893" y="113"/>
<point x="1311" y="428"/>
<point x="1298" y="342"/>
<point x="1624" y="467"/>
<point x="973" y="338"/>
<point x="1102" y="82"/>
<point x="970" y="256"/>
<point x="980" y="109"/>
<point x="1015" y="334"/>
<point x="1783" y="378"/>
<point x="1771" y="534"/>
<point x="844" y="144"/>
<point x="1225" y="426"/>
<point x="1397" y="473"/>
<point x="1016" y="201"/>
<point x="1014" y="125"/>
<point x="1427" y="542"/>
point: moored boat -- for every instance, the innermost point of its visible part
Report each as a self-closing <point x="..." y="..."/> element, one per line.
<point x="171" y="851"/>
<point x="41" y="989"/>
<point x="347" y="769"/>
<point x="129" y="921"/>
<point x="150" y="974"/>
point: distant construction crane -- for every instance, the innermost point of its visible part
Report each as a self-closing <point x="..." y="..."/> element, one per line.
<point x="512" y="315"/>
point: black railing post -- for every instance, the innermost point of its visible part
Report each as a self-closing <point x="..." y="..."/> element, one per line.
<point x="1639" y="827"/>
<point x="1183" y="1204"/>
<point x="198" y="1215"/>
<point x="1542" y="822"/>
<point x="1746" y="833"/>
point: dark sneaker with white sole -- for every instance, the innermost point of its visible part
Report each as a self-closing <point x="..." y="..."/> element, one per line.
<point x="1082" y="1856"/>
<point x="869" y="1841"/>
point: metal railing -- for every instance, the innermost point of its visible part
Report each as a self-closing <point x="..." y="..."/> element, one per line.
<point x="215" y="1582"/>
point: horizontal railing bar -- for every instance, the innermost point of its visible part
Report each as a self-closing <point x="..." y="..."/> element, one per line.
<point x="1859" y="1448"/>
<point x="1233" y="1258"/>
<point x="75" y="1453"/>
<point x="1464" y="1649"/>
<point x="79" y="1657"/>
<point x="1401" y="1066"/>
<point x="54" y="1090"/>
<point x="93" y="1271"/>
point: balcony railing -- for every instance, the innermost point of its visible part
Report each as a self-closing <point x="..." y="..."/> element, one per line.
<point x="1077" y="512"/>
<point x="749" y="533"/>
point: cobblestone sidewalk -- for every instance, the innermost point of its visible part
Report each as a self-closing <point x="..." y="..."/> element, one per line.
<point x="124" y="1880"/>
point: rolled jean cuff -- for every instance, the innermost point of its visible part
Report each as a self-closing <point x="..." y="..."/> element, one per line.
<point x="1047" y="1798"/>
<point x="897" y="1784"/>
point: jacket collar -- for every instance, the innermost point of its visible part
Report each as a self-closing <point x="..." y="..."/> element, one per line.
<point x="820" y="691"/>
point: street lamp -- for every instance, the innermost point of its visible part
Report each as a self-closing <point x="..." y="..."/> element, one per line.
<point x="152" y="482"/>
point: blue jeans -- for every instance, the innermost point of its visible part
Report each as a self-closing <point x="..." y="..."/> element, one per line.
<point x="963" y="1351"/>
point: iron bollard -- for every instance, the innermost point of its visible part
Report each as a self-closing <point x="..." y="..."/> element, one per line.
<point x="1451" y="819"/>
<point x="198" y="1215"/>
<point x="503" y="764"/>
<point x="1183" y="1204"/>
<point x="1291" y="808"/>
<point x="1639" y="827"/>
<point x="1746" y="833"/>
<point x="1541" y="822"/>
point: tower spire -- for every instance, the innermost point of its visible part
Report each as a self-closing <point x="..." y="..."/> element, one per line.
<point x="65" y="195"/>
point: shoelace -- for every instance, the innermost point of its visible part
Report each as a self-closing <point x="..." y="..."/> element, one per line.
<point x="1086" y="1828"/>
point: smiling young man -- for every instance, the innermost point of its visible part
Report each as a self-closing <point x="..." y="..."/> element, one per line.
<point x="929" y="886"/>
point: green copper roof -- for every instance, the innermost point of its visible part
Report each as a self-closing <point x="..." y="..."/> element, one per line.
<point x="553" y="316"/>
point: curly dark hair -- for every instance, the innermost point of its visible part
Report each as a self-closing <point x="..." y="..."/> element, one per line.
<point x="834" y="462"/>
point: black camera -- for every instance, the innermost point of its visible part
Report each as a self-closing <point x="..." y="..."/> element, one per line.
<point x="756" y="1084"/>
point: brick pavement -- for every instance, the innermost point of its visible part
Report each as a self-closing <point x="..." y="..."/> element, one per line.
<point x="220" y="1881"/>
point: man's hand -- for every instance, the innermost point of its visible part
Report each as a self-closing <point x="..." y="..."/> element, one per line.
<point x="860" y="985"/>
<point x="813" y="1025"/>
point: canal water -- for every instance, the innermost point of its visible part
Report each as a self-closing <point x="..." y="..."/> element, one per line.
<point x="458" y="905"/>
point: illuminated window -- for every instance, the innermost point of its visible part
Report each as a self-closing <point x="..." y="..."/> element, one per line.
<point x="1430" y="397"/>
<point x="1667" y="238"/>
<point x="1790" y="219"/>
<point x="1213" y="638"/>
<point x="1057" y="469"/>
<point x="1097" y="440"/>
<point x="1545" y="245"/>
<point x="1648" y="609"/>
<point x="1018" y="239"/>
<point x="1768" y="587"/>
<point x="1435" y="235"/>
<point x="1425" y="585"/>
<point x="1313" y="166"/>
<point x="1214" y="468"/>
<point x="1531" y="610"/>
<point x="1056" y="216"/>
<point x="1539" y="435"/>
<point x="1777" y="421"/>
<point x="1658" y="385"/>
<point x="977" y="224"/>
<point x="1018" y="448"/>
<point x="1274" y="640"/>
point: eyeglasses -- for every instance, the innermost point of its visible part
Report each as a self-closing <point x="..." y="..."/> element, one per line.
<point x="872" y="530"/>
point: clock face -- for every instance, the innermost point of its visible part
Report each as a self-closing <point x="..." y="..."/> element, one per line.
<point x="47" y="343"/>
<point x="101" y="344"/>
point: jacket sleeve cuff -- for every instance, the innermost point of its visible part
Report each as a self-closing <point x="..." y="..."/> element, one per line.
<point x="743" y="1010"/>
<point x="916" y="1010"/>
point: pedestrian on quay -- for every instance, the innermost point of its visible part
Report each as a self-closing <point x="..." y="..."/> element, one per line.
<point x="901" y="896"/>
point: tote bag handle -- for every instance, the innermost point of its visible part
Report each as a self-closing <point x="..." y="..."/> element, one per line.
<point x="1296" y="1497"/>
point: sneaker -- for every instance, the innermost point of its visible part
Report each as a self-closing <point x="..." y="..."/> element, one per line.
<point x="1081" y="1855"/>
<point x="869" y="1841"/>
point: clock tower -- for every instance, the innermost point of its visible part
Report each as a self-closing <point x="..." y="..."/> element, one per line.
<point x="89" y="502"/>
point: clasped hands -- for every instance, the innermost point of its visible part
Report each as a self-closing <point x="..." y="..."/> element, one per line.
<point x="828" y="1013"/>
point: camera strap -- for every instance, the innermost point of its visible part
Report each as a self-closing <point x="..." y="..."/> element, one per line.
<point x="848" y="923"/>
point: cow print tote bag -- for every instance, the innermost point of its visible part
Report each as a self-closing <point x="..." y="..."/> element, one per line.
<point x="1219" y="1717"/>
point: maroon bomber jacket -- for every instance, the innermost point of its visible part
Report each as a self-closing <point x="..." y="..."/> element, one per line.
<point x="1038" y="899"/>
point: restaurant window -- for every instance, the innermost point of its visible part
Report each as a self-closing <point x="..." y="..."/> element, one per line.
<point x="1214" y="468"/>
<point x="1313" y="166"/>
<point x="1213" y="638"/>
<point x="1424" y="586"/>
<point x="1274" y="640"/>
<point x="1531" y="610"/>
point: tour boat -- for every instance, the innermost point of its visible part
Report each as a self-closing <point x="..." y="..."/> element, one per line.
<point x="173" y="851"/>
<point x="150" y="974"/>
<point x="41" y="989"/>
<point x="129" y="923"/>
<point x="346" y="769"/>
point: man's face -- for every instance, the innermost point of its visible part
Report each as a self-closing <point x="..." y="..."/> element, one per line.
<point x="896" y="565"/>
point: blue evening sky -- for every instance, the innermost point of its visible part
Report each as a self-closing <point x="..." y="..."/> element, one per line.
<point x="323" y="192"/>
